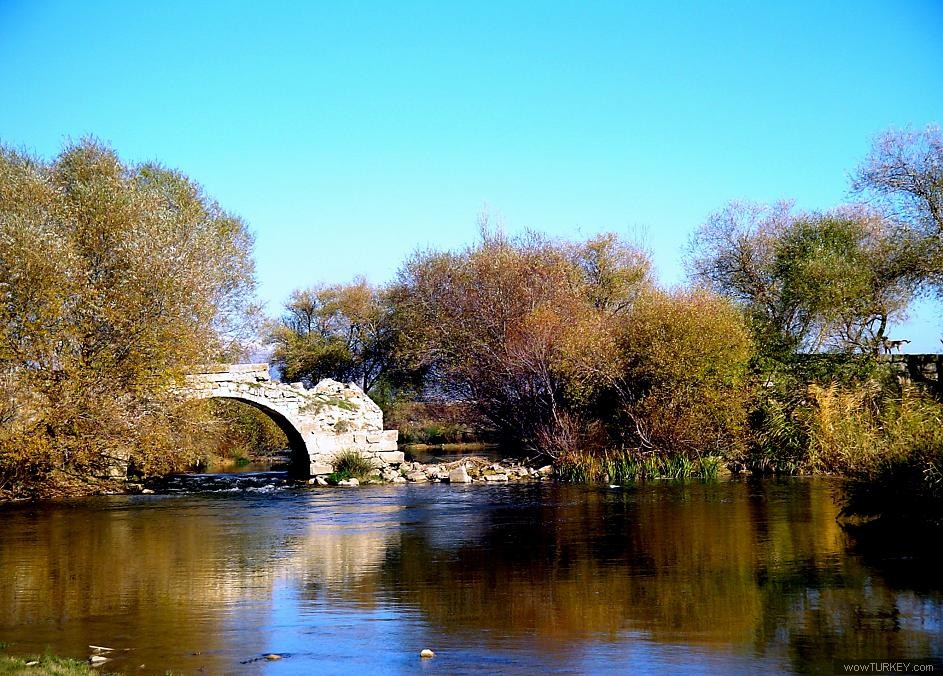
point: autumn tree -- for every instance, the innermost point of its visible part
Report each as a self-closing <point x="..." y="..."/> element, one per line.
<point x="493" y="324"/>
<point x="345" y="332"/>
<point x="115" y="279"/>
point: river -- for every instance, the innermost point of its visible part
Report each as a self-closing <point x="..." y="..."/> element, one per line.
<point x="727" y="577"/>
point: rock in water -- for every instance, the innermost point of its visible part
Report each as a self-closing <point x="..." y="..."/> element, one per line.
<point x="271" y="657"/>
<point x="426" y="653"/>
<point x="349" y="482"/>
<point x="459" y="475"/>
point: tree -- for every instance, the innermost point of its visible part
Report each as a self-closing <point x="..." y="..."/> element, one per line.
<point x="346" y="332"/>
<point x="499" y="323"/>
<point x="903" y="176"/>
<point x="115" y="279"/>
<point x="807" y="282"/>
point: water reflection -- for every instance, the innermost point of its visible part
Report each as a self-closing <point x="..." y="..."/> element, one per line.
<point x="730" y="576"/>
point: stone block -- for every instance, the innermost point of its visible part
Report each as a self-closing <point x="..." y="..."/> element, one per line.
<point x="459" y="475"/>
<point x="320" y="468"/>
<point x="322" y="443"/>
<point x="391" y="457"/>
<point x="387" y="445"/>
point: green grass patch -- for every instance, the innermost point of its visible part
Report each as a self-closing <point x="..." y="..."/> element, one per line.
<point x="349" y="464"/>
<point x="46" y="665"/>
<point x="621" y="467"/>
<point x="320" y="401"/>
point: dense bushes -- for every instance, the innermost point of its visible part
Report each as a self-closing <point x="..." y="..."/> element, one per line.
<point x="567" y="347"/>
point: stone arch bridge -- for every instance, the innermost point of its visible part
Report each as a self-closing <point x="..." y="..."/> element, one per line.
<point x="318" y="422"/>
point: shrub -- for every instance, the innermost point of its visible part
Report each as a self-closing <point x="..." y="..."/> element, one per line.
<point x="685" y="388"/>
<point x="350" y="464"/>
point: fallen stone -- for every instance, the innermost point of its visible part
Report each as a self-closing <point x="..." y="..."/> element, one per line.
<point x="418" y="476"/>
<point x="349" y="482"/>
<point x="459" y="475"/>
<point x="425" y="653"/>
<point x="320" y="481"/>
<point x="399" y="480"/>
<point x="496" y="477"/>
<point x="147" y="491"/>
<point x="271" y="657"/>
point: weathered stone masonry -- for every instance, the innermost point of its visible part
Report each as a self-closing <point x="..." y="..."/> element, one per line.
<point x="923" y="369"/>
<point x="319" y="422"/>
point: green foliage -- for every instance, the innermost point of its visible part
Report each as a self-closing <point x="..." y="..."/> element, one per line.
<point x="318" y="402"/>
<point x="114" y="281"/>
<point x="346" y="332"/>
<point x="350" y="464"/>
<point x="434" y="423"/>
<point x="806" y="282"/>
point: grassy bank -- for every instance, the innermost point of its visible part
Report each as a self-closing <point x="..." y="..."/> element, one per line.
<point x="45" y="665"/>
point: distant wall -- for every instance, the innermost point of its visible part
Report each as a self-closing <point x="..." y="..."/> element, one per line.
<point x="923" y="369"/>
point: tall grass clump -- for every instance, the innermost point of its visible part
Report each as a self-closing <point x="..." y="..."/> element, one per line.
<point x="349" y="464"/>
<point x="629" y="466"/>
<point x="889" y="443"/>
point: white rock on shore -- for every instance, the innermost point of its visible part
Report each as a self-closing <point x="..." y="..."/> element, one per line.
<point x="459" y="475"/>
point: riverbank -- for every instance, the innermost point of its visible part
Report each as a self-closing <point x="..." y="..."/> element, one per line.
<point x="45" y="665"/>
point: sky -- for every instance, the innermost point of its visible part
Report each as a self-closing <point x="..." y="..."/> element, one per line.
<point x="349" y="134"/>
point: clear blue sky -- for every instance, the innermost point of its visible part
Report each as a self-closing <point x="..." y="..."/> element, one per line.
<point x="349" y="133"/>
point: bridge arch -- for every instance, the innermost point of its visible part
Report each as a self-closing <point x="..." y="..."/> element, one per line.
<point x="296" y="443"/>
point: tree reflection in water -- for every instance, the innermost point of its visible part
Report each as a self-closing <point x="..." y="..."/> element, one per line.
<point x="747" y="574"/>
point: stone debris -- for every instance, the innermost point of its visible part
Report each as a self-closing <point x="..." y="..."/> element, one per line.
<point x="425" y="653"/>
<point x="459" y="475"/>
<point x="470" y="469"/>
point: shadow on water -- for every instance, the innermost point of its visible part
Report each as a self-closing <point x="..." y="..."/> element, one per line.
<point x="736" y="576"/>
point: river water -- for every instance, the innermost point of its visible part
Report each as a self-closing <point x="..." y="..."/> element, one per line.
<point x="729" y="577"/>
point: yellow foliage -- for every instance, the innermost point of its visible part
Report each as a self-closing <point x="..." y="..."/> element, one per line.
<point x="114" y="280"/>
